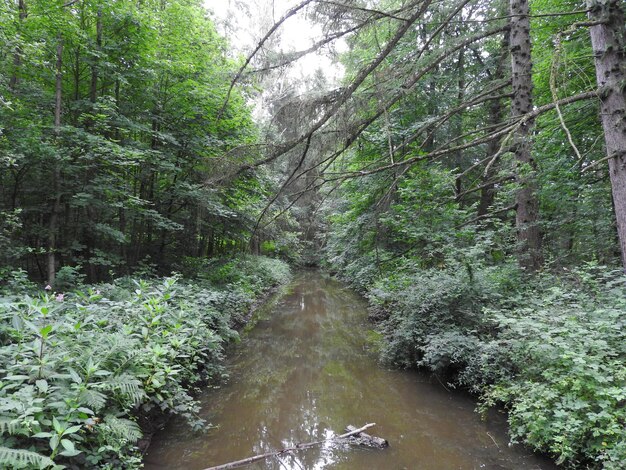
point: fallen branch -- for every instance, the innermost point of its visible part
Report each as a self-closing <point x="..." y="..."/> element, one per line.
<point x="365" y="440"/>
<point x="256" y="458"/>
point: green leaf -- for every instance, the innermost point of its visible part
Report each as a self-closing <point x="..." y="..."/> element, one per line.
<point x="57" y="425"/>
<point x="70" y="453"/>
<point x="54" y="442"/>
<point x="20" y="458"/>
<point x="72" y="429"/>
<point x="75" y="377"/>
<point x="45" y="331"/>
<point x="67" y="444"/>
<point x="31" y="326"/>
<point x="17" y="322"/>
<point x="17" y="377"/>
<point x="42" y="385"/>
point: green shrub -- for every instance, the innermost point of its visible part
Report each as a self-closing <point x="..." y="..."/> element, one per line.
<point x="69" y="277"/>
<point x="14" y="281"/>
<point x="568" y="348"/>
<point x="78" y="369"/>
<point x="431" y="314"/>
<point x="551" y="349"/>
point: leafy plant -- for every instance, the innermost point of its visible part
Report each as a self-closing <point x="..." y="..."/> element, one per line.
<point x="550" y="348"/>
<point x="79" y="369"/>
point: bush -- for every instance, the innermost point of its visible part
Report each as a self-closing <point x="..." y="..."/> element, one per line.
<point x="13" y="281"/>
<point x="431" y="314"/>
<point x="568" y="348"/>
<point x="551" y="349"/>
<point x="78" y="369"/>
<point x="69" y="277"/>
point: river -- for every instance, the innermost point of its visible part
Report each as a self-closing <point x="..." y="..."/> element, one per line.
<point x="304" y="372"/>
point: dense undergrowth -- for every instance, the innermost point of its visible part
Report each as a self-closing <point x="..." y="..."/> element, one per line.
<point x="551" y="348"/>
<point x="80" y="368"/>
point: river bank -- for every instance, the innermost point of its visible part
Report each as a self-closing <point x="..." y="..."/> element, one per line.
<point x="549" y="348"/>
<point x="82" y="369"/>
<point x="307" y="370"/>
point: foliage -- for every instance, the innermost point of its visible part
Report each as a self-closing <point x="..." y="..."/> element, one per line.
<point x="566" y="346"/>
<point x="550" y="348"/>
<point x="412" y="164"/>
<point x="80" y="368"/>
<point x="145" y="124"/>
<point x="426" y="221"/>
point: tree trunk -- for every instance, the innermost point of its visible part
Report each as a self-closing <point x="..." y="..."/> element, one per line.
<point x="494" y="117"/>
<point x="528" y="234"/>
<point x="93" y="87"/>
<point x="56" y="176"/>
<point x="608" y="41"/>
<point x="488" y="192"/>
<point x="457" y="122"/>
<point x="17" y="56"/>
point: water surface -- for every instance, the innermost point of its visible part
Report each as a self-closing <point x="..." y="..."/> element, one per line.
<point x="304" y="372"/>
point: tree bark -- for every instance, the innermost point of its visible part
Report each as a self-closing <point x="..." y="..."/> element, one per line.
<point x="527" y="213"/>
<point x="457" y="121"/>
<point x="488" y="192"/>
<point x="494" y="117"/>
<point x="608" y="40"/>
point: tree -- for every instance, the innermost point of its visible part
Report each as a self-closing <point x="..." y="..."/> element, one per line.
<point x="608" y="39"/>
<point x="527" y="210"/>
<point x="111" y="138"/>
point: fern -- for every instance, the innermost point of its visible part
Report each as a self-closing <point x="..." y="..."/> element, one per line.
<point x="9" y="426"/>
<point x="121" y="350"/>
<point x="122" y="428"/>
<point x="93" y="399"/>
<point x="20" y="458"/>
<point x="127" y="385"/>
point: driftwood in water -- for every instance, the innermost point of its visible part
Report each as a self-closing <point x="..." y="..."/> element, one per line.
<point x="352" y="436"/>
<point x="362" y="439"/>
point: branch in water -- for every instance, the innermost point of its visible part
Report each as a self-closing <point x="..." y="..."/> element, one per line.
<point x="256" y="458"/>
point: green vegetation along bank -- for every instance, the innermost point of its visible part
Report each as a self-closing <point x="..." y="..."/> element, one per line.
<point x="83" y="370"/>
<point x="550" y="348"/>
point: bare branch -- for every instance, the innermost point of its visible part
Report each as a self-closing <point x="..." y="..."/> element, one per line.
<point x="256" y="458"/>
<point x="489" y="215"/>
<point x="367" y="10"/>
<point x="347" y="92"/>
<point x="299" y="54"/>
<point x="502" y="179"/>
<point x="519" y="121"/>
<point x="265" y="38"/>
<point x="284" y="185"/>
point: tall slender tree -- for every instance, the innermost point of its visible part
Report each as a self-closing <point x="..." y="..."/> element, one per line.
<point x="56" y="169"/>
<point x="527" y="210"/>
<point x="608" y="39"/>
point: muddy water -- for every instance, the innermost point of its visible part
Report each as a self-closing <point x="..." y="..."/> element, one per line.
<point x="304" y="372"/>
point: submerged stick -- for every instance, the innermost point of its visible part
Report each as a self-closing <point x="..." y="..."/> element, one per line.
<point x="256" y="458"/>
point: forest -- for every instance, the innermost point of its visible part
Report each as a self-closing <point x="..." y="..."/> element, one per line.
<point x="465" y="172"/>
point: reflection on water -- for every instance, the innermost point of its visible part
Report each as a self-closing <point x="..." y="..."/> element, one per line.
<point x="304" y="372"/>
